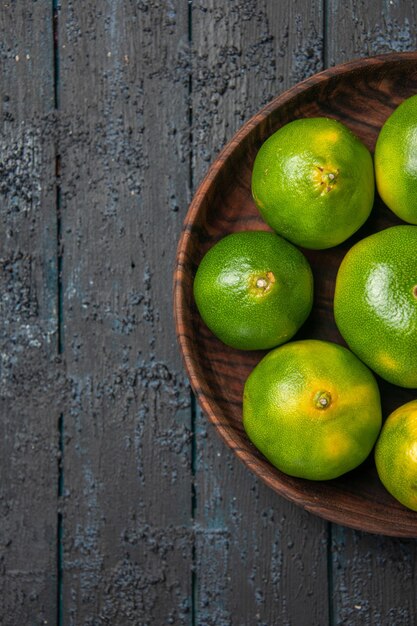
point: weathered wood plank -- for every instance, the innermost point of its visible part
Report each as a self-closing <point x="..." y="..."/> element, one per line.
<point x="124" y="184"/>
<point x="355" y="28"/>
<point x="29" y="373"/>
<point x="258" y="558"/>
<point x="373" y="578"/>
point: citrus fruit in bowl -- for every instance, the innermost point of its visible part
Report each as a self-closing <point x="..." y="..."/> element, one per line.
<point x="313" y="409"/>
<point x="313" y="182"/>
<point x="396" y="454"/>
<point x="396" y="162"/>
<point x="375" y="303"/>
<point x="361" y="95"/>
<point x="254" y="290"/>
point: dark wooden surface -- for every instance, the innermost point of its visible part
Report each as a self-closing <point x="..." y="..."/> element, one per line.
<point x="119" y="503"/>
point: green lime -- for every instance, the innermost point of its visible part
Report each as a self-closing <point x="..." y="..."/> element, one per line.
<point x="375" y="303"/>
<point x="254" y="290"/>
<point x="313" y="409"/>
<point x="396" y="161"/>
<point x="396" y="454"/>
<point x="313" y="182"/>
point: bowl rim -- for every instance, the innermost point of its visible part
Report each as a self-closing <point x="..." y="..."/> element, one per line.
<point x="224" y="428"/>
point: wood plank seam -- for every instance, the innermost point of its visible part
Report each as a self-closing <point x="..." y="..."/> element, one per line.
<point x="59" y="288"/>
<point x="193" y="405"/>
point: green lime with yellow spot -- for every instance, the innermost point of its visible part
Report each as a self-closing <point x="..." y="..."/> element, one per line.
<point x="396" y="454"/>
<point x="375" y="303"/>
<point x="254" y="290"/>
<point x="313" y="182"/>
<point x="313" y="409"/>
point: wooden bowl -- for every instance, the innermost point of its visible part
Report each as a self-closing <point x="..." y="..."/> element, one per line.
<point x="360" y="94"/>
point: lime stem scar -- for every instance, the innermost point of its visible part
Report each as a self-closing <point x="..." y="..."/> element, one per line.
<point x="322" y="400"/>
<point x="263" y="282"/>
<point x="325" y="177"/>
<point x="415" y="291"/>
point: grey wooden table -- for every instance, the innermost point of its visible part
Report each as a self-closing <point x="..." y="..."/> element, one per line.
<point x="118" y="502"/>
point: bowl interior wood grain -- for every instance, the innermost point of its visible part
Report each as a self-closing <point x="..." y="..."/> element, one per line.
<point x="360" y="94"/>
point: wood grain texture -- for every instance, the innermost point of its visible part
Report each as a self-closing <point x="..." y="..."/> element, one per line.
<point x="373" y="578"/>
<point x="127" y="537"/>
<point x="356" y="28"/>
<point x="244" y="54"/>
<point x="258" y="559"/>
<point x="29" y="370"/>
